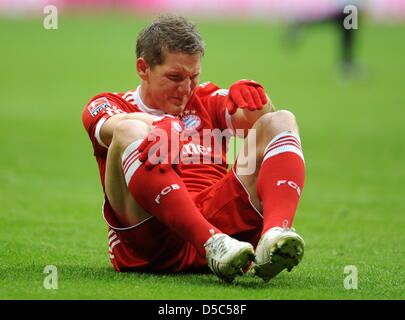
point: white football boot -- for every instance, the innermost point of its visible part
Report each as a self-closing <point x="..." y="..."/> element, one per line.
<point x="278" y="249"/>
<point x="228" y="257"/>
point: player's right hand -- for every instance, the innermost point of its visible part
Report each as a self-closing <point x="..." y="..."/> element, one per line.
<point x="163" y="144"/>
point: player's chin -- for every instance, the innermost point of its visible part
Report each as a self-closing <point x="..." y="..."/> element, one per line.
<point x="175" y="109"/>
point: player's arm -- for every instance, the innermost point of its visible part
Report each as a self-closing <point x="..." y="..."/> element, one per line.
<point x="107" y="129"/>
<point x="245" y="118"/>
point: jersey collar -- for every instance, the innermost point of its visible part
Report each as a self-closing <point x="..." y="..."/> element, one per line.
<point x="138" y="101"/>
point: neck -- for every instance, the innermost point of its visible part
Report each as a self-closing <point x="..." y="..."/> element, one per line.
<point x="145" y="96"/>
<point x="139" y="101"/>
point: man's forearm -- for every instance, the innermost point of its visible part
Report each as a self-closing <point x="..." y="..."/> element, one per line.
<point x="245" y="119"/>
<point x="252" y="116"/>
<point x="107" y="130"/>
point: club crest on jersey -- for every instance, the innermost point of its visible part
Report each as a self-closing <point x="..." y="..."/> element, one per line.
<point x="191" y="121"/>
<point x="97" y="105"/>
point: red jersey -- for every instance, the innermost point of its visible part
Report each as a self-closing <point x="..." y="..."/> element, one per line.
<point x="204" y="156"/>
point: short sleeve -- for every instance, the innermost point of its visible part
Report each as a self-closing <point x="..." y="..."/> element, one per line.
<point x="97" y="111"/>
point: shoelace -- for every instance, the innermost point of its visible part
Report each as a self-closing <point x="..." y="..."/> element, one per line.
<point x="221" y="246"/>
<point x="218" y="245"/>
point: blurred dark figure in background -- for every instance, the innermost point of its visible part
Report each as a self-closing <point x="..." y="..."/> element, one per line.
<point x="346" y="19"/>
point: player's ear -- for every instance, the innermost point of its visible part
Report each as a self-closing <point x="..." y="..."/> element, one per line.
<point x="142" y="67"/>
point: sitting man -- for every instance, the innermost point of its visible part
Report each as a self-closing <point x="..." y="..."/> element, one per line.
<point x="175" y="206"/>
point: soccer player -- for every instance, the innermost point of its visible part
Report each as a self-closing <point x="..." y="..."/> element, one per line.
<point x="175" y="206"/>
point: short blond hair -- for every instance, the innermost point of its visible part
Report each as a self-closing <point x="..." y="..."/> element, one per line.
<point x="168" y="33"/>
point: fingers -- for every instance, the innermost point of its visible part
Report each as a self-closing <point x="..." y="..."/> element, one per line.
<point x="252" y="98"/>
<point x="153" y="150"/>
<point x="145" y="152"/>
<point x="231" y="106"/>
<point x="159" y="155"/>
<point x="161" y="148"/>
<point x="257" y="101"/>
<point x="237" y="97"/>
<point x="143" y="144"/>
<point x="262" y="94"/>
<point x="248" y="95"/>
<point x="152" y="159"/>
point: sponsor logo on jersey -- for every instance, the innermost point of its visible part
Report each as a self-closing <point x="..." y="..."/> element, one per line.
<point x="221" y="92"/>
<point x="192" y="148"/>
<point x="97" y="105"/>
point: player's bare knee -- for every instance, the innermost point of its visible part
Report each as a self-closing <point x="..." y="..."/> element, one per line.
<point x="128" y="131"/>
<point x="276" y="122"/>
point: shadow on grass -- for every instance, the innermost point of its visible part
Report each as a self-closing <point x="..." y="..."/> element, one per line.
<point x="105" y="273"/>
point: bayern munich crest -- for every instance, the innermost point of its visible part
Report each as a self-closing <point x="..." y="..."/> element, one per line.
<point x="191" y="121"/>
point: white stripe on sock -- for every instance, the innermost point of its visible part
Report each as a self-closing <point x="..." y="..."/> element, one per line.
<point x="283" y="141"/>
<point x="281" y="144"/>
<point x="285" y="133"/>
<point x="127" y="157"/>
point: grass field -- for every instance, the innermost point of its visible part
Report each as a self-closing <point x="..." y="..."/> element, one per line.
<point x="352" y="209"/>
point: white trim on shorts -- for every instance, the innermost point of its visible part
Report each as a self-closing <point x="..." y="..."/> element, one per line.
<point x="247" y="192"/>
<point x="121" y="229"/>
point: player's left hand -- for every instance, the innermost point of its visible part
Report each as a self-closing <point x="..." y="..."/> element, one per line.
<point x="246" y="94"/>
<point x="162" y="146"/>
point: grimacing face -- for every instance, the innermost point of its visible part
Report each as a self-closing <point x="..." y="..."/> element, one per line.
<point x="171" y="84"/>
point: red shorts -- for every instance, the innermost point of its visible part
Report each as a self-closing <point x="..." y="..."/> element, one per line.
<point x="151" y="246"/>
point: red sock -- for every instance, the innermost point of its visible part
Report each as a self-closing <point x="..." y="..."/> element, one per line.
<point x="281" y="180"/>
<point x="165" y="196"/>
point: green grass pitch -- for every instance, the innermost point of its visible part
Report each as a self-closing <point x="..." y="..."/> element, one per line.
<point x="353" y="205"/>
